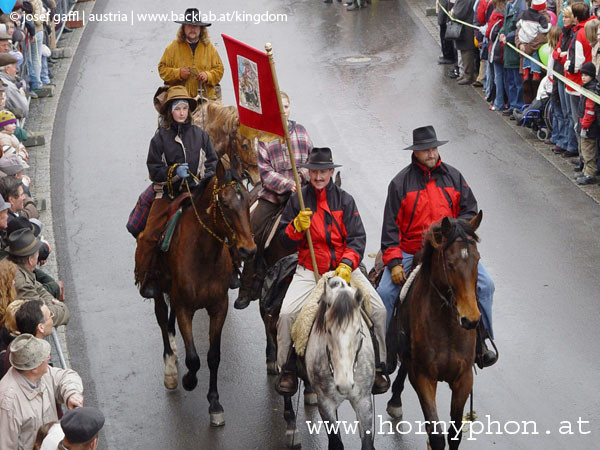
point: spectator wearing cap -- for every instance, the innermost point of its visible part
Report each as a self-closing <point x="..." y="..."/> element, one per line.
<point x="81" y="427"/>
<point x="9" y="143"/>
<point x="29" y="390"/>
<point x="23" y="250"/>
<point x="15" y="88"/>
<point x="55" y="288"/>
<point x="4" y="208"/>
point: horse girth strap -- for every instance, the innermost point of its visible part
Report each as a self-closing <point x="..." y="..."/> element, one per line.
<point x="215" y="202"/>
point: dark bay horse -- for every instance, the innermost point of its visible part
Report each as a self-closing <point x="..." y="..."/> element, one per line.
<point x="196" y="273"/>
<point x="434" y="335"/>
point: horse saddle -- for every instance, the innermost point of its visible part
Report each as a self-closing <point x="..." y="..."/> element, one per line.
<point x="174" y="212"/>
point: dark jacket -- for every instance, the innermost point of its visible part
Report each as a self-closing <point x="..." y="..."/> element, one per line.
<point x="336" y="228"/>
<point x="417" y="198"/>
<point x="511" y="17"/>
<point x="463" y="10"/>
<point x="179" y="144"/>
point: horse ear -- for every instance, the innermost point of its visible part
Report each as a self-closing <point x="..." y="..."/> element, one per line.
<point x="476" y="221"/>
<point x="220" y="171"/>
<point x="338" y="179"/>
<point x="359" y="298"/>
<point x="446" y="227"/>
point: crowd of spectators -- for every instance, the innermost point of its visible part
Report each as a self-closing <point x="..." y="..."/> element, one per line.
<point x="32" y="392"/>
<point x="566" y="33"/>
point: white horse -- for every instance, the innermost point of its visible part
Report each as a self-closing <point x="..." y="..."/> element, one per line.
<point x="340" y="359"/>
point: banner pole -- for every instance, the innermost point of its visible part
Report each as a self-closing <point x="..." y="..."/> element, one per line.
<point x="269" y="50"/>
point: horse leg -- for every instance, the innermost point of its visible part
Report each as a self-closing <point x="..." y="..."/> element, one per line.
<point x="192" y="362"/>
<point x="161" y="310"/>
<point x="426" y="389"/>
<point x="461" y="389"/>
<point x="171" y="330"/>
<point x="292" y="435"/>
<point x="310" y="396"/>
<point x="364" y="413"/>
<point x="271" y="350"/>
<point x="328" y="411"/>
<point x="217" y="316"/>
<point x="394" y="406"/>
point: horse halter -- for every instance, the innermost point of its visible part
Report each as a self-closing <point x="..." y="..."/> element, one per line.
<point x="330" y="364"/>
<point x="216" y="201"/>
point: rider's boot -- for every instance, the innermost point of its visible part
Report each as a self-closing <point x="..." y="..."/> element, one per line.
<point x="287" y="382"/>
<point x="382" y="381"/>
<point x="484" y="356"/>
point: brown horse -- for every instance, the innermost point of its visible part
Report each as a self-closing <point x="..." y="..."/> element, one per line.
<point x="222" y="124"/>
<point x="435" y="333"/>
<point x="196" y="273"/>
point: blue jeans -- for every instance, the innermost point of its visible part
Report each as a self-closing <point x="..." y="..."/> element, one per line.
<point x="389" y="291"/>
<point x="45" y="73"/>
<point x="499" y="81"/>
<point x="489" y="78"/>
<point x="574" y="100"/>
<point x="34" y="61"/>
<point x="529" y="64"/>
<point x="514" y="88"/>
<point x="559" y="126"/>
<point x="565" y="105"/>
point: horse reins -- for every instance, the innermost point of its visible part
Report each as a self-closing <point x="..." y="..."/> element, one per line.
<point x="355" y="356"/>
<point x="215" y="201"/>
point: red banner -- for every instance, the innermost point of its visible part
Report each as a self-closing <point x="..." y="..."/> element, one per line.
<point x="254" y="87"/>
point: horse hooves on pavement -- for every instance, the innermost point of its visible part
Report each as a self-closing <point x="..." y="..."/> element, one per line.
<point x="394" y="411"/>
<point x="310" y="399"/>
<point x="272" y="368"/>
<point x="189" y="382"/>
<point x="217" y="419"/>
<point x="292" y="437"/>
<point x="171" y="381"/>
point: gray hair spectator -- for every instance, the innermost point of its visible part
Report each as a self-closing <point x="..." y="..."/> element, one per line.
<point x="29" y="390"/>
<point x="14" y="87"/>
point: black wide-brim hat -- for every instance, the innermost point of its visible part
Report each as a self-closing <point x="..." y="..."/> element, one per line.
<point x="192" y="17"/>
<point x="319" y="159"/>
<point x="425" y="138"/>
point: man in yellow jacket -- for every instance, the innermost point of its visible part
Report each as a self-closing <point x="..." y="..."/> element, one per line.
<point x="192" y="60"/>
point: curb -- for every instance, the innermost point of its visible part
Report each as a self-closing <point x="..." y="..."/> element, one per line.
<point x="422" y="11"/>
<point x="41" y="120"/>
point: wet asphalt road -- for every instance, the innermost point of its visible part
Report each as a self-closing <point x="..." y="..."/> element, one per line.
<point x="539" y="233"/>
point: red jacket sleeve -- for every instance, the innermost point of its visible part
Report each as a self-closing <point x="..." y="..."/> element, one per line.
<point x="589" y="116"/>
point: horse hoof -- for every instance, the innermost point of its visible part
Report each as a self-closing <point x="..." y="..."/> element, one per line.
<point x="292" y="438"/>
<point x="217" y="419"/>
<point x="310" y="399"/>
<point x="394" y="411"/>
<point x="171" y="381"/>
<point x="272" y="368"/>
<point x="189" y="382"/>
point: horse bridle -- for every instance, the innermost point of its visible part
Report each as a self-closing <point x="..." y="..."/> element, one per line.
<point x="216" y="201"/>
<point x="362" y="334"/>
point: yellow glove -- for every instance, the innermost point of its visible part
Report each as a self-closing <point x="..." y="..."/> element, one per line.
<point x="398" y="274"/>
<point x="302" y="220"/>
<point x="343" y="271"/>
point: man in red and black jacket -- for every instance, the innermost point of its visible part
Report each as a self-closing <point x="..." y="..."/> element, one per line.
<point x="339" y="240"/>
<point x="425" y="192"/>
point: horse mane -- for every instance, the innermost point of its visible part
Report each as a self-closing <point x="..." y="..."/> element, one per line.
<point x="224" y="117"/>
<point x="433" y="239"/>
<point x="342" y="310"/>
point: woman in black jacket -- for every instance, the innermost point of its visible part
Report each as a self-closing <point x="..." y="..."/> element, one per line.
<point x="177" y="151"/>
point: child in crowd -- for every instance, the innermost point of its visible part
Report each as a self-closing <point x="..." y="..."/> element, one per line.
<point x="532" y="22"/>
<point x="588" y="125"/>
<point x="8" y="141"/>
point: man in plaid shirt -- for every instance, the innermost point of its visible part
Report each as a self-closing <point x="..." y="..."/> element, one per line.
<point x="278" y="183"/>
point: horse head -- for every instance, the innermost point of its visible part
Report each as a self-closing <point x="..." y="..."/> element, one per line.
<point x="230" y="209"/>
<point x="454" y="273"/>
<point x="339" y="321"/>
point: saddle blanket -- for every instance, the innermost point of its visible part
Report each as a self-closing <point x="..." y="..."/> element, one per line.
<point x="303" y="323"/>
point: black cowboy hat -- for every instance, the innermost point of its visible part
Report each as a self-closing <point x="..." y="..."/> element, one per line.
<point x="192" y="17"/>
<point x="425" y="138"/>
<point x="23" y="243"/>
<point x="319" y="159"/>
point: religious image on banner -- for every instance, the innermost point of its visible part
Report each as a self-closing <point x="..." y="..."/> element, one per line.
<point x="249" y="89"/>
